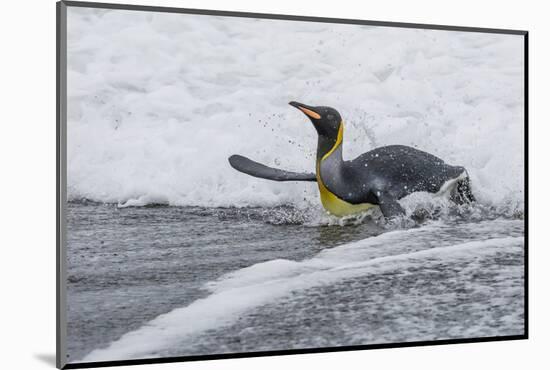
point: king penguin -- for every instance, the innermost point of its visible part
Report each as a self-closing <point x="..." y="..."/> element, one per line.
<point x="379" y="177"/>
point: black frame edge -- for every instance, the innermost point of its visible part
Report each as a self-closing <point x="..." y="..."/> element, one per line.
<point x="288" y="17"/>
<point x="150" y="361"/>
<point x="526" y="182"/>
<point x="61" y="99"/>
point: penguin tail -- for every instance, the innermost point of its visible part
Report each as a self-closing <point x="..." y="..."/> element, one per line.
<point x="252" y="168"/>
<point x="462" y="193"/>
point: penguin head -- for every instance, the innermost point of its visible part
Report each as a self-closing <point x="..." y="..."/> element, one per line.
<point x="326" y="120"/>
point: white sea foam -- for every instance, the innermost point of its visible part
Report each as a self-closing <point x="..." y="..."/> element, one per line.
<point x="237" y="293"/>
<point x="157" y="102"/>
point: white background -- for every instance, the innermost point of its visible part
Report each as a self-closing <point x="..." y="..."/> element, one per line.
<point x="28" y="183"/>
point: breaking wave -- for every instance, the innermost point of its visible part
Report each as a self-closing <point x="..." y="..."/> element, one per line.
<point x="157" y="103"/>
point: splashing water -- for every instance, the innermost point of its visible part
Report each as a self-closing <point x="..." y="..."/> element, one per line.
<point x="157" y="102"/>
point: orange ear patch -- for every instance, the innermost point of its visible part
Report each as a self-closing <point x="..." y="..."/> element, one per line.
<point x="310" y="113"/>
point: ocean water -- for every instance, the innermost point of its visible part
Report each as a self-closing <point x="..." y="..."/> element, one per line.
<point x="171" y="252"/>
<point x="126" y="266"/>
<point x="174" y="281"/>
<point x="157" y="103"/>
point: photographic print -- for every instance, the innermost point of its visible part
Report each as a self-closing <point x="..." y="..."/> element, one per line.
<point x="246" y="184"/>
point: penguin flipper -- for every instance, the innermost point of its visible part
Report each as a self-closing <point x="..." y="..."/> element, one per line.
<point x="389" y="206"/>
<point x="256" y="169"/>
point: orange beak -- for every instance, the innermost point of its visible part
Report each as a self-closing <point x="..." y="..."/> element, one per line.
<point x="308" y="111"/>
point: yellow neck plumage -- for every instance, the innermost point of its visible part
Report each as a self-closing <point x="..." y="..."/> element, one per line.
<point x="330" y="201"/>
